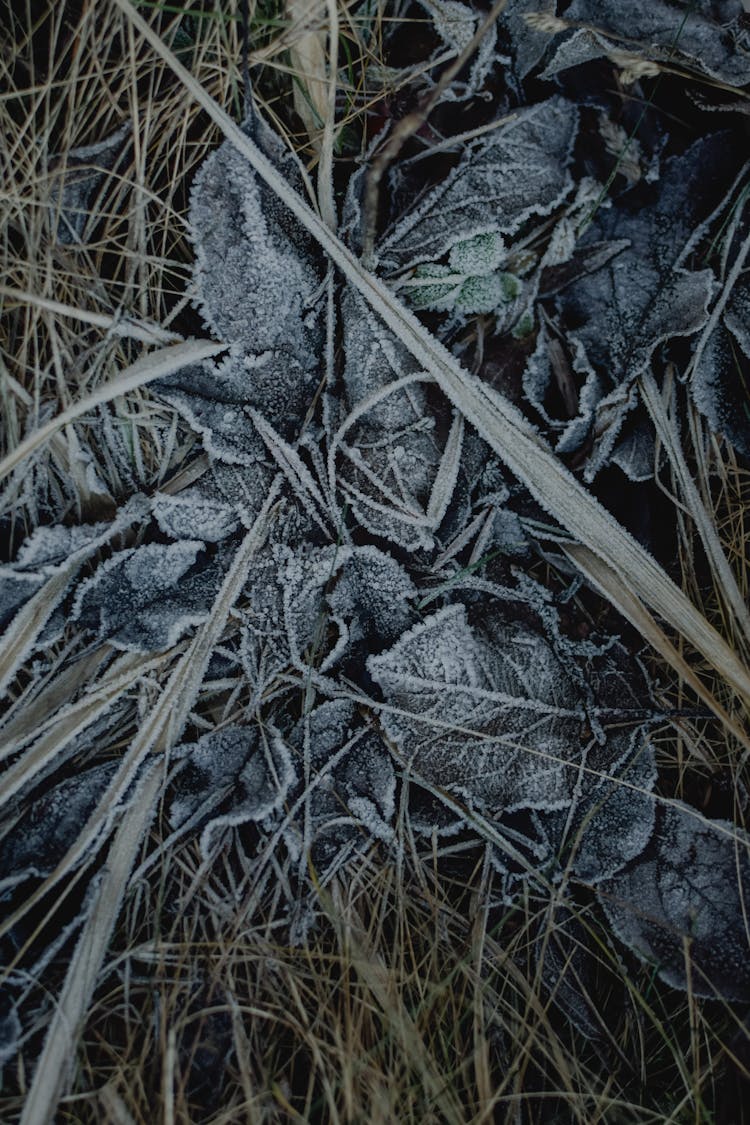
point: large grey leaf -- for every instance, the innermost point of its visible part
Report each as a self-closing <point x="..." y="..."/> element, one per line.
<point x="720" y="383"/>
<point x="618" y="316"/>
<point x="51" y="823"/>
<point x="255" y="267"/>
<point x="502" y="180"/>
<point x="705" y="35"/>
<point x="144" y="599"/>
<point x="494" y="714"/>
<point x="232" y="776"/>
<point x="349" y="795"/>
<point x="683" y="905"/>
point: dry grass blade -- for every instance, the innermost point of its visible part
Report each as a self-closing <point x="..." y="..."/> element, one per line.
<point x="625" y="602"/>
<point x="164" y="725"/>
<point x="667" y="432"/>
<point x="155" y="365"/>
<point x="497" y="420"/>
<point x="54" y="1068"/>
<point x="59" y="731"/>
<point x="126" y="327"/>
<point x="369" y="966"/>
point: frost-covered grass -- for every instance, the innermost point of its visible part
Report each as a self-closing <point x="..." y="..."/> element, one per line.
<point x="415" y="997"/>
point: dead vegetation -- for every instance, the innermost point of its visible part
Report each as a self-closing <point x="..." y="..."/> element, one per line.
<point x="419" y="994"/>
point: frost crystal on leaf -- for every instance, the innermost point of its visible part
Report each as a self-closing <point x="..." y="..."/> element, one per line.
<point x="235" y="771"/>
<point x="721" y="380"/>
<point x="682" y="905"/>
<point x="502" y="180"/>
<point x="145" y="598"/>
<point x="705" y="35"/>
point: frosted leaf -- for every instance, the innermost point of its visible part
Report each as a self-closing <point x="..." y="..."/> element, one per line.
<point x="478" y="256"/>
<point x="373" y="358"/>
<point x="15" y="589"/>
<point x="613" y="819"/>
<point x="705" y="35"/>
<point x="388" y="456"/>
<point x="512" y="716"/>
<point x="81" y="171"/>
<point x="256" y="269"/>
<point x="372" y="593"/>
<point x="643" y="297"/>
<point x="635" y="452"/>
<point x="50" y="548"/>
<point x="235" y="770"/>
<point x="575" y="48"/>
<point x="500" y="690"/>
<point x="387" y="479"/>
<point x="527" y="43"/>
<point x="216" y="400"/>
<point x="350" y="796"/>
<point x="145" y="598"/>
<point x="287" y="621"/>
<point x="720" y="383"/>
<point x="502" y="180"/>
<point x="50" y="825"/>
<point x="433" y="286"/>
<point x="685" y="901"/>
<point x="456" y="24"/>
<point x="314" y="604"/>
<point x="485" y="294"/>
<point x="47" y="547"/>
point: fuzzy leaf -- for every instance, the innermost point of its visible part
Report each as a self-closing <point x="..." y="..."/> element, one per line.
<point x="45" y="831"/>
<point x="216" y="399"/>
<point x="295" y="597"/>
<point x="502" y="180"/>
<point x="255" y="271"/>
<point x="495" y="715"/>
<point x="248" y="778"/>
<point x="215" y="505"/>
<point x="642" y="298"/>
<point x="682" y="905"/>
<point x="721" y="381"/>
<point x="145" y="598"/>
<point x="705" y="35"/>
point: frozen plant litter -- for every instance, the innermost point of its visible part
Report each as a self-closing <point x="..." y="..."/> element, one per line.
<point x="362" y="655"/>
